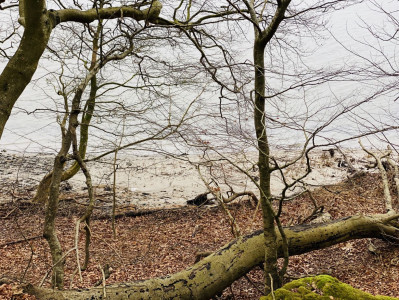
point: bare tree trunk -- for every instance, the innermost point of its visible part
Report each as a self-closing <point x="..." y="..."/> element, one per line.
<point x="21" y="67"/>
<point x="87" y="215"/>
<point x="214" y="273"/>
<point x="271" y="270"/>
<point x="262" y="38"/>
<point x="49" y="231"/>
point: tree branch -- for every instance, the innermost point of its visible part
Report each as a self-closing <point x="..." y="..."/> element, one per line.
<point x="91" y="15"/>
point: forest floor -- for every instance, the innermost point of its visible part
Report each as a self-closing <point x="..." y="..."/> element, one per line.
<point x="167" y="241"/>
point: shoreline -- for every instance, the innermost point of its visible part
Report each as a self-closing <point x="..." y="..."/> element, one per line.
<point x="161" y="181"/>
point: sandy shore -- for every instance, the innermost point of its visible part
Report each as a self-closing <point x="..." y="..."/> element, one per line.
<point x="162" y="181"/>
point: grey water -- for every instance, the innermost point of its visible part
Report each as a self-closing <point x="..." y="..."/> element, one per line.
<point x="33" y="125"/>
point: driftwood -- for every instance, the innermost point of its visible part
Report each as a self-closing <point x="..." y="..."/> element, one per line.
<point x="199" y="200"/>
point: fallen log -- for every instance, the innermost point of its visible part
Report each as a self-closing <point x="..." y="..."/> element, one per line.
<point x="214" y="273"/>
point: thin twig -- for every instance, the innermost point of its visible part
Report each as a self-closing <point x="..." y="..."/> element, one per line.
<point x="383" y="173"/>
<point x="103" y="282"/>
<point x="271" y="286"/>
<point x="57" y="262"/>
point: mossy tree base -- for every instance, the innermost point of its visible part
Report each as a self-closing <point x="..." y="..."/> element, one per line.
<point x="319" y="288"/>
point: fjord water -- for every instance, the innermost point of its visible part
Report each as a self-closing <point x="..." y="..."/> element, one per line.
<point x="33" y="126"/>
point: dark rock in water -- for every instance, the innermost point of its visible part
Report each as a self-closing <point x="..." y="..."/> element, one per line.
<point x="201" y="199"/>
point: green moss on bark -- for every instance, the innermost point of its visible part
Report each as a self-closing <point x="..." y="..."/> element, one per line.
<point x="319" y="288"/>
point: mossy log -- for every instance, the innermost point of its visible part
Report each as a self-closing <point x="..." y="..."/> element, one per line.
<point x="214" y="273"/>
<point x="322" y="287"/>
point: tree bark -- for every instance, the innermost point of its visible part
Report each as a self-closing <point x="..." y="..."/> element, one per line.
<point x="74" y="15"/>
<point x="271" y="270"/>
<point x="262" y="38"/>
<point x="214" y="273"/>
<point x="49" y="230"/>
<point x="19" y="71"/>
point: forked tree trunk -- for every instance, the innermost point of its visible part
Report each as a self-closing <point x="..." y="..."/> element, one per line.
<point x="214" y="273"/>
<point x="43" y="188"/>
<point x="49" y="230"/>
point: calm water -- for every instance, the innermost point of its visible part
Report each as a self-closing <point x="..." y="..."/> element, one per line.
<point x="33" y="127"/>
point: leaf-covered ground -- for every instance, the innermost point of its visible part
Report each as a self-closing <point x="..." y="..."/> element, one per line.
<point x="167" y="241"/>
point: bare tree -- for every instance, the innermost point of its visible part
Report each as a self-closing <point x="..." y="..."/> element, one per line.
<point x="39" y="23"/>
<point x="219" y="270"/>
<point x="171" y="117"/>
<point x="374" y="70"/>
<point x="273" y="25"/>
